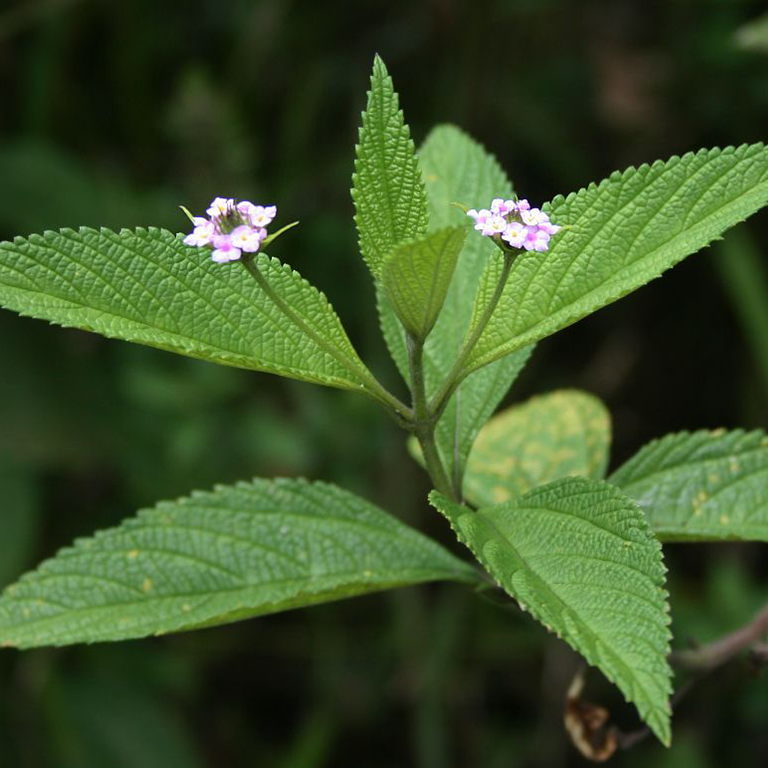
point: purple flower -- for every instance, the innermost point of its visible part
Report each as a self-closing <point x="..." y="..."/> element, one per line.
<point x="515" y="234"/>
<point x="257" y="215"/>
<point x="487" y="222"/>
<point x="533" y="217"/>
<point x="203" y="232"/>
<point x="224" y="249"/>
<point x="502" y="207"/>
<point x="550" y="228"/>
<point x="516" y="223"/>
<point x="536" y="240"/>
<point x="219" y="206"/>
<point x="231" y="229"/>
<point x="247" y="238"/>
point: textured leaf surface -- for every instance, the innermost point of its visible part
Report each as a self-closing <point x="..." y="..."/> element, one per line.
<point x="212" y="558"/>
<point x="701" y="486"/>
<point x="579" y="556"/>
<point x="387" y="188"/>
<point x="458" y="169"/>
<point x="623" y="233"/>
<point x="147" y="286"/>
<point x="416" y="276"/>
<point x="563" y="433"/>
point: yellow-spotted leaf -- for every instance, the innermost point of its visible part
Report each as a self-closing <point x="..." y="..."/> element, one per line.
<point x="212" y="558"/>
<point x="702" y="486"/>
<point x="562" y="433"/>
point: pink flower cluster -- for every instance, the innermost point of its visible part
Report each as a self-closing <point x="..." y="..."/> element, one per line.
<point x="515" y="222"/>
<point x="232" y="228"/>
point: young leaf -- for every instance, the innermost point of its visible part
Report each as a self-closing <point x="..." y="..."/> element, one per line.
<point x="566" y="432"/>
<point x="701" y="486"/>
<point x="148" y="287"/>
<point x="458" y="169"/>
<point x="387" y="189"/>
<point x="212" y="558"/>
<point x="621" y="234"/>
<point x="416" y="276"/>
<point x="580" y="557"/>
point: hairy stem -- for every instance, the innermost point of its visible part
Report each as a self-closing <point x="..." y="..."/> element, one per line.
<point x="456" y="375"/>
<point x="424" y="420"/>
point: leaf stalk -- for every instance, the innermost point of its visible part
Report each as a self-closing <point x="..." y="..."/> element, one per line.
<point x="456" y="375"/>
<point x="402" y="414"/>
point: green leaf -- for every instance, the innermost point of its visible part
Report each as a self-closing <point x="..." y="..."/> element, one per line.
<point x="148" y="287"/>
<point x="387" y="189"/>
<point x="701" y="486"/>
<point x="621" y="234"/>
<point x="580" y="557"/>
<point x="458" y="169"/>
<point x="416" y="276"/>
<point x="212" y="558"/>
<point x="563" y="433"/>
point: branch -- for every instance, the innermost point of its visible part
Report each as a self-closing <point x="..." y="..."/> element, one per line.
<point x="711" y="656"/>
<point x="587" y="724"/>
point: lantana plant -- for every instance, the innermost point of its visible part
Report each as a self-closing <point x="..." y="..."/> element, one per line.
<point x="464" y="294"/>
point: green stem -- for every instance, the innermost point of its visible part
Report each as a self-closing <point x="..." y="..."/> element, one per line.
<point x="456" y="375"/>
<point x="399" y="410"/>
<point x="424" y="421"/>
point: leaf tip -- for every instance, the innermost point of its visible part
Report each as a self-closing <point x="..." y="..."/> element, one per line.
<point x="379" y="65"/>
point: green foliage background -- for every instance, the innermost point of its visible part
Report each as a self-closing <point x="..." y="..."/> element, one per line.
<point x="115" y="113"/>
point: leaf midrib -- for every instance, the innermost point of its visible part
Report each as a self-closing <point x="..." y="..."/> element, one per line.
<point x="400" y="577"/>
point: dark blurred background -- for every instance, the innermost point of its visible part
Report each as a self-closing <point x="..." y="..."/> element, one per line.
<point x="114" y="113"/>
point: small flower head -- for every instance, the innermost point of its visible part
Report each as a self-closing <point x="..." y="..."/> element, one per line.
<point x="487" y="222"/>
<point x="203" y="232"/>
<point x="224" y="249"/>
<point x="515" y="234"/>
<point x="247" y="238"/>
<point x="257" y="215"/>
<point x="219" y="206"/>
<point x="548" y="227"/>
<point x="536" y="239"/>
<point x="231" y="229"/>
<point x="515" y="223"/>
<point x="502" y="207"/>
<point x="533" y="217"/>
